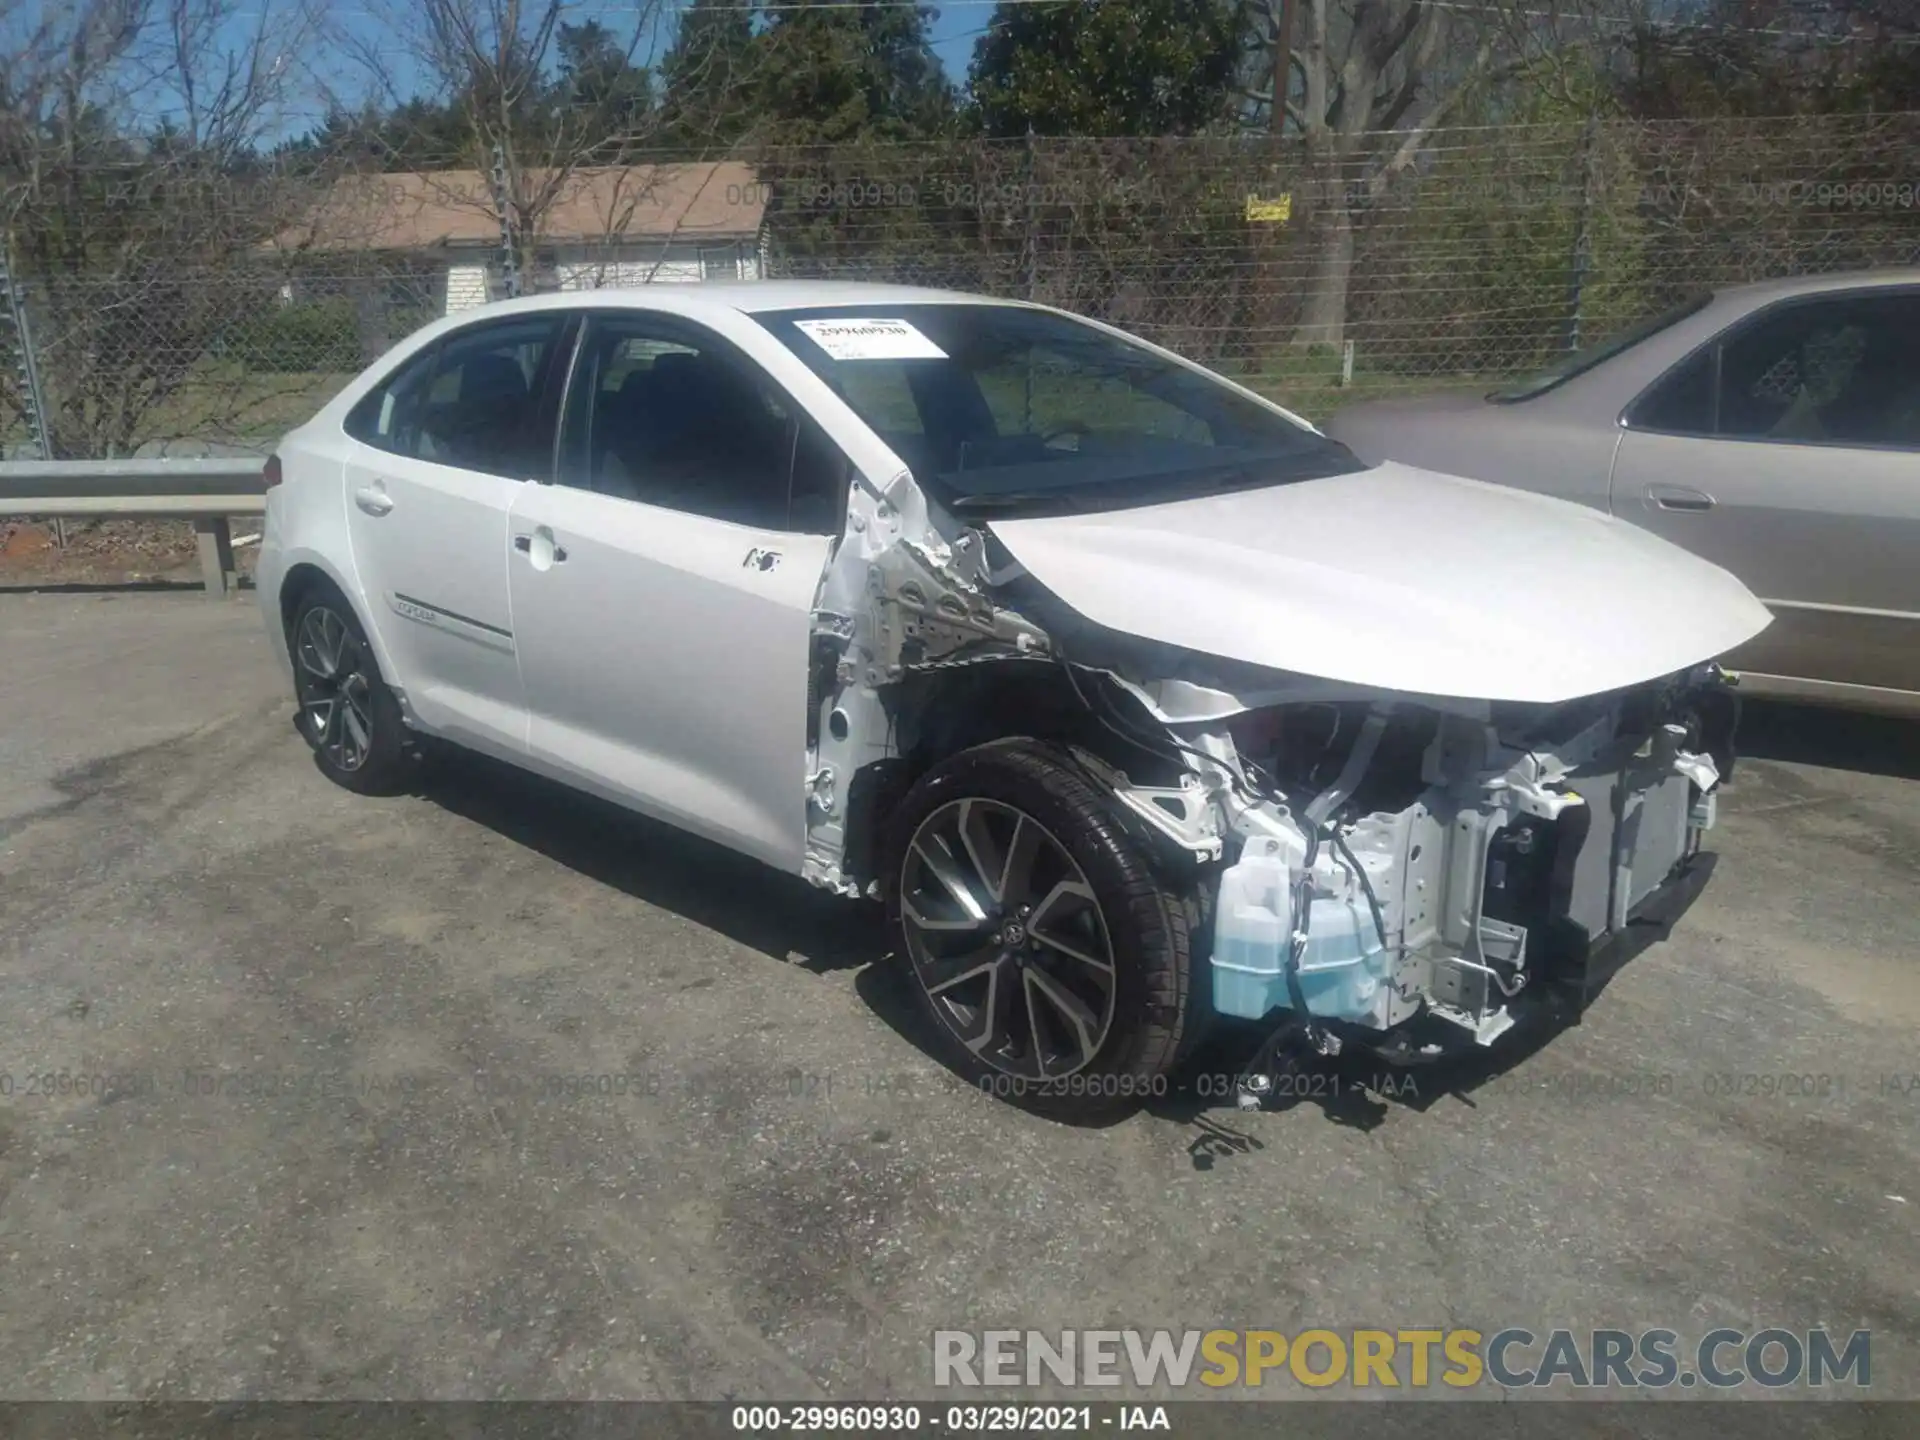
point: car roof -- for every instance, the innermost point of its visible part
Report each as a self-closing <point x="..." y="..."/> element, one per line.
<point x="1762" y="291"/>
<point x="1612" y="383"/>
<point x="695" y="299"/>
<point x="745" y="297"/>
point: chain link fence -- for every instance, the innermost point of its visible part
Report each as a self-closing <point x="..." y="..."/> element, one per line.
<point x="1477" y="255"/>
<point x="1487" y="253"/>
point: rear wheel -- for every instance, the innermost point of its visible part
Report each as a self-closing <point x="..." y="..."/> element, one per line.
<point x="1050" y="959"/>
<point x="347" y="714"/>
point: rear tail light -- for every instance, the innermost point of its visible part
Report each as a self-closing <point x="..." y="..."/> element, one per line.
<point x="270" y="472"/>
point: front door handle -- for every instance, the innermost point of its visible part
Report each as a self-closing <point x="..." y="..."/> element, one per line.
<point x="373" y="499"/>
<point x="541" y="548"/>
<point x="1680" y="497"/>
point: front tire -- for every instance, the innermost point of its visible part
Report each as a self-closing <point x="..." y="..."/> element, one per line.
<point x="1045" y="953"/>
<point x="347" y="714"/>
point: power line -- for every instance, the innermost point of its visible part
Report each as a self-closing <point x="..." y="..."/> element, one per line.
<point x="1476" y="7"/>
<point x="1665" y="26"/>
<point x="779" y="6"/>
<point x="745" y="7"/>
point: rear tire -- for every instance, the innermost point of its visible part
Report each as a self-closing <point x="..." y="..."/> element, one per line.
<point x="1043" y="950"/>
<point x="347" y="715"/>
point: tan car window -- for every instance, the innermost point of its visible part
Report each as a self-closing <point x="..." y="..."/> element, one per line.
<point x="1841" y="371"/>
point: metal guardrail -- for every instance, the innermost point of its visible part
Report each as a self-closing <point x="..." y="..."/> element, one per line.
<point x="207" y="492"/>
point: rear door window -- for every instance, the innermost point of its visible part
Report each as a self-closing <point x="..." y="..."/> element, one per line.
<point x="478" y="400"/>
<point x="484" y="409"/>
<point x="388" y="417"/>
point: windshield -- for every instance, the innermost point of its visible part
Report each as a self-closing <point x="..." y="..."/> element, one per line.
<point x="1581" y="361"/>
<point x="1008" y="411"/>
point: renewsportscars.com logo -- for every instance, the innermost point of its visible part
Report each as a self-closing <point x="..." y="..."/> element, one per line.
<point x="1513" y="1358"/>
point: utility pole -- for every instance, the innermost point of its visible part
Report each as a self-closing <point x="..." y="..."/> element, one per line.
<point x="503" y="203"/>
<point x="1032" y="247"/>
<point x="1031" y="233"/>
<point x="26" y="376"/>
<point x="1581" y="260"/>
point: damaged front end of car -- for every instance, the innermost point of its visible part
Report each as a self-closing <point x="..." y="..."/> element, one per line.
<point x="1404" y="871"/>
<point x="1392" y="860"/>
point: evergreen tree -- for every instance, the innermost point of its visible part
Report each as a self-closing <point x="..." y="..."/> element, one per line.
<point x="706" y="77"/>
<point x="830" y="74"/>
<point x="598" y="75"/>
<point x="1106" y="67"/>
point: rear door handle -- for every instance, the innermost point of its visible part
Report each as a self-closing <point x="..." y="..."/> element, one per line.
<point x="373" y="499"/>
<point x="1680" y="497"/>
<point x="549" y="552"/>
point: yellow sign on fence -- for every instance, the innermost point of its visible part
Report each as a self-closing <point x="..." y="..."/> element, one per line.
<point x="1276" y="211"/>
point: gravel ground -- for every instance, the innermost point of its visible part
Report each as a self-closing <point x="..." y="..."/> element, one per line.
<point x="108" y="553"/>
<point x="327" y="1168"/>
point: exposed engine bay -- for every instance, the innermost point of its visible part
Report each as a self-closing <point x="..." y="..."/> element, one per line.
<point x="1366" y="857"/>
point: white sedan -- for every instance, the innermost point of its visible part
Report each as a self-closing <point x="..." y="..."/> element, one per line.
<point x="1135" y="698"/>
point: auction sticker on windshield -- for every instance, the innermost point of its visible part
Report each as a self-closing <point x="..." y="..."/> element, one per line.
<point x="870" y="340"/>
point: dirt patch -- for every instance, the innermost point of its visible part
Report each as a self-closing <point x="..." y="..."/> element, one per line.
<point x="106" y="552"/>
<point x="23" y="541"/>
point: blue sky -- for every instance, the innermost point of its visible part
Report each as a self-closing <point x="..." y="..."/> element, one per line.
<point x="956" y="28"/>
<point x="954" y="34"/>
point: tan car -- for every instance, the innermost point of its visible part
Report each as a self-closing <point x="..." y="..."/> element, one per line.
<point x="1771" y="428"/>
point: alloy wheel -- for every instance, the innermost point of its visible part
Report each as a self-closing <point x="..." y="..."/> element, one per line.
<point x="1006" y="936"/>
<point x="336" y="692"/>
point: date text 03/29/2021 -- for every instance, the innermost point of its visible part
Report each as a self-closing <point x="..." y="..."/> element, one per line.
<point x="947" y="1419"/>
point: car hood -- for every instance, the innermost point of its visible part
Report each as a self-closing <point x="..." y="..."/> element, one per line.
<point x="1397" y="579"/>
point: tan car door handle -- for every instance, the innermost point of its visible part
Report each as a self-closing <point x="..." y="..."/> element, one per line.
<point x="1680" y="497"/>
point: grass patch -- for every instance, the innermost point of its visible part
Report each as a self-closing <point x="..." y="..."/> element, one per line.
<point x="1308" y="382"/>
<point x="235" y="405"/>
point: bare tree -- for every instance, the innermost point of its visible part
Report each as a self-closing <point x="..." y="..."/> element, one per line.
<point x="129" y="191"/>
<point x="1363" y="85"/>
<point x="495" y="69"/>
